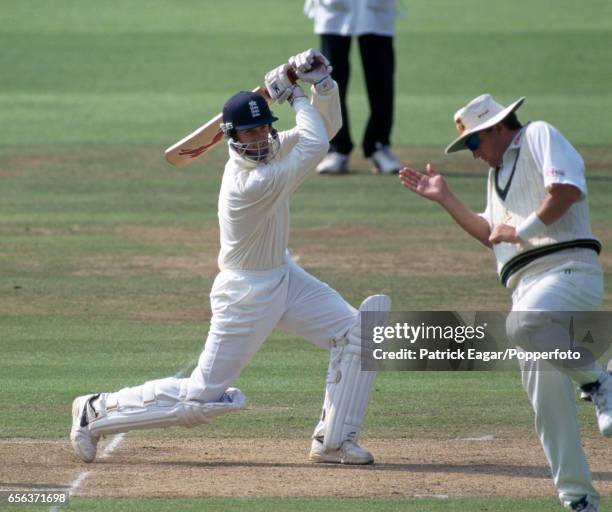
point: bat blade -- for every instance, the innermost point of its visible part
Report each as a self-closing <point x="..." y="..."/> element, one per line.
<point x="200" y="141"/>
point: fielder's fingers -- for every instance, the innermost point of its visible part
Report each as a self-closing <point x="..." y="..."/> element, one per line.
<point x="409" y="185"/>
<point x="406" y="175"/>
<point x="495" y="237"/>
<point x="430" y="170"/>
<point x="409" y="172"/>
<point x="406" y="170"/>
<point x="409" y="182"/>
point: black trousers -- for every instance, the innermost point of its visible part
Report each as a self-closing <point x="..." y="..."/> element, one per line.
<point x="378" y="60"/>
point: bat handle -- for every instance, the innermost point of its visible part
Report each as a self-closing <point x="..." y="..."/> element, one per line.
<point x="293" y="78"/>
<point x="292" y="75"/>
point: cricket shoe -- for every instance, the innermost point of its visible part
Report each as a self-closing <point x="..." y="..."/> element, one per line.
<point x="348" y="453"/>
<point x="601" y="394"/>
<point x="83" y="442"/>
<point x="333" y="163"/>
<point x="586" y="397"/>
<point x="385" y="162"/>
<point x="583" y="505"/>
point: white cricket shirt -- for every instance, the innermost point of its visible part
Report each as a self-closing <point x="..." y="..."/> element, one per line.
<point x="253" y="205"/>
<point x="352" y="17"/>
<point x="538" y="157"/>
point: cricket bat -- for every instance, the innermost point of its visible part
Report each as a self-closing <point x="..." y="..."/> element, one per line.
<point x="194" y="145"/>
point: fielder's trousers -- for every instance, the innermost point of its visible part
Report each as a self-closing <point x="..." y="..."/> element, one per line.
<point x="573" y="286"/>
<point x="378" y="60"/>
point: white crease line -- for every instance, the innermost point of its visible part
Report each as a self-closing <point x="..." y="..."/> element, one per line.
<point x="483" y="438"/>
<point x="110" y="447"/>
<point x="73" y="488"/>
<point x="108" y="450"/>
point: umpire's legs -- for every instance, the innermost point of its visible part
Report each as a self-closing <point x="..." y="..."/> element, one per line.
<point x="378" y="58"/>
<point x="337" y="49"/>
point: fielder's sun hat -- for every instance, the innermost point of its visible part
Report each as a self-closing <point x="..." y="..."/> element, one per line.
<point x="479" y="114"/>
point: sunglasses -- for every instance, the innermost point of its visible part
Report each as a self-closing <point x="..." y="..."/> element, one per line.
<point x="473" y="142"/>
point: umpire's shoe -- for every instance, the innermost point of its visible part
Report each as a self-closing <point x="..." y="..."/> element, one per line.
<point x="601" y="394"/>
<point x="83" y="442"/>
<point x="348" y="453"/>
<point x="384" y="161"/>
<point x="334" y="163"/>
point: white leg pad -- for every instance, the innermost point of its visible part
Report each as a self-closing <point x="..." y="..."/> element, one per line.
<point x="348" y="387"/>
<point x="157" y="404"/>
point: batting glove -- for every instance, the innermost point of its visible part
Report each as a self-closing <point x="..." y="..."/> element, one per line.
<point x="278" y="84"/>
<point x="313" y="67"/>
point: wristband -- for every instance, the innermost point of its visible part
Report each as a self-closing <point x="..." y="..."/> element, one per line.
<point x="325" y="84"/>
<point x="530" y="227"/>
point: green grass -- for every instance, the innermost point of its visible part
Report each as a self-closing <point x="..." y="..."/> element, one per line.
<point x="148" y="72"/>
<point x="107" y="254"/>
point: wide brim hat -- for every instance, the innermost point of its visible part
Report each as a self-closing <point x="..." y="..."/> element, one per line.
<point x="479" y="114"/>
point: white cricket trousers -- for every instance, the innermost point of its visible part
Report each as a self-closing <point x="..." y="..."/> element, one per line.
<point x="246" y="307"/>
<point x="572" y="286"/>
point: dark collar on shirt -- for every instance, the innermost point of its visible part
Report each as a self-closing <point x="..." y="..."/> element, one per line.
<point x="515" y="146"/>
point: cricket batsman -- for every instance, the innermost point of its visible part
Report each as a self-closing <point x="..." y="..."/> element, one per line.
<point x="537" y="223"/>
<point x="259" y="287"/>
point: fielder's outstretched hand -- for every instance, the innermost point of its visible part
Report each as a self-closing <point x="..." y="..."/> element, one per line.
<point x="431" y="186"/>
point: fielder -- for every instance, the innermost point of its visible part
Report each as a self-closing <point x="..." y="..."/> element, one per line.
<point x="259" y="287"/>
<point x="537" y="223"/>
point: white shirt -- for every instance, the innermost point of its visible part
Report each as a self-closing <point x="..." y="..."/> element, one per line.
<point x="352" y="17"/>
<point x="537" y="158"/>
<point x="254" y="198"/>
<point x="557" y="160"/>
